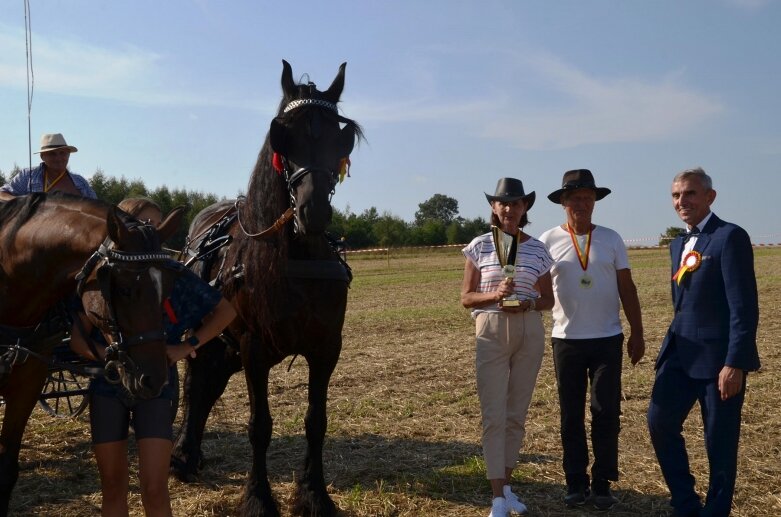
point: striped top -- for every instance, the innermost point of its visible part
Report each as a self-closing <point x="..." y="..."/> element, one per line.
<point x="532" y="260"/>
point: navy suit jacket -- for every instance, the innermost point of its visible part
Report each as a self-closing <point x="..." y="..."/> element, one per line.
<point x="716" y="306"/>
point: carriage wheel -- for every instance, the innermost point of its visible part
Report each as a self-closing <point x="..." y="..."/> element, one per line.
<point x="65" y="394"/>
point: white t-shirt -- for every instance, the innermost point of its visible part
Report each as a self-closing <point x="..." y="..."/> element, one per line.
<point x="593" y="312"/>
<point x="532" y="261"/>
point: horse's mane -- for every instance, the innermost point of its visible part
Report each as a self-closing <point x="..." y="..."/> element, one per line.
<point x="266" y="200"/>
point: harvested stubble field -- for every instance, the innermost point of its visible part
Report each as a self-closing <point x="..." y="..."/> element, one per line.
<point x="404" y="423"/>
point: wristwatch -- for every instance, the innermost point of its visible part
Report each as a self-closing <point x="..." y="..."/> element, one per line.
<point x="193" y="341"/>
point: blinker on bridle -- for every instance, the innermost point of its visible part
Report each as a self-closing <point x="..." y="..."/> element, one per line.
<point x="282" y="166"/>
<point x="112" y="259"/>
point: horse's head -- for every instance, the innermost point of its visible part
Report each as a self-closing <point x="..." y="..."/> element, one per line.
<point x="310" y="146"/>
<point x="123" y="293"/>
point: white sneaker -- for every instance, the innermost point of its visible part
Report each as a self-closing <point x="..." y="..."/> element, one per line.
<point x="512" y="502"/>
<point x="499" y="508"/>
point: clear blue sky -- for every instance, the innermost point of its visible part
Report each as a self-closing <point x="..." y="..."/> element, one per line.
<point x="452" y="95"/>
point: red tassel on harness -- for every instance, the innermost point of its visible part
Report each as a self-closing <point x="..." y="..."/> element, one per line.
<point x="276" y="161"/>
<point x="169" y="310"/>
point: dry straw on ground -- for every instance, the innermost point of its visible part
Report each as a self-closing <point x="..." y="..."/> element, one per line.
<point x="404" y="423"/>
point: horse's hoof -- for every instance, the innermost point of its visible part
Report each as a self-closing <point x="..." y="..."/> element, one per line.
<point x="256" y="507"/>
<point x="180" y="470"/>
<point x="315" y="503"/>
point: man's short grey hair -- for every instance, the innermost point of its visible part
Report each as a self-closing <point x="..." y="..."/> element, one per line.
<point x="696" y="172"/>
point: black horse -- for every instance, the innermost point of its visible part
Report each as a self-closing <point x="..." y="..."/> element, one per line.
<point x="51" y="247"/>
<point x="286" y="281"/>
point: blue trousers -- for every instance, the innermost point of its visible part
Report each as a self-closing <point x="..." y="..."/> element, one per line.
<point x="672" y="399"/>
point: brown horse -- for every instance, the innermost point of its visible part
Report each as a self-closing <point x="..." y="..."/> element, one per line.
<point x="288" y="285"/>
<point x="50" y="245"/>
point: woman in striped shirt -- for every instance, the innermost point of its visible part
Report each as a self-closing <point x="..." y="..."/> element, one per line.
<point x="506" y="290"/>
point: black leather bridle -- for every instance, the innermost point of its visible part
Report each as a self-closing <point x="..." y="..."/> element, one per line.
<point x="106" y="262"/>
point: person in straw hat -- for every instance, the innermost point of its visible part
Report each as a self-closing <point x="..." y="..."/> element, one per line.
<point x="591" y="281"/>
<point x="52" y="175"/>
<point x="506" y="283"/>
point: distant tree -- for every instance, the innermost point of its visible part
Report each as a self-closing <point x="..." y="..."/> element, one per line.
<point x="390" y="230"/>
<point x="358" y="230"/>
<point x="430" y="233"/>
<point x="438" y="207"/>
<point x="113" y="190"/>
<point x="99" y="183"/>
<point x="14" y="171"/>
<point x="669" y="234"/>
<point x="136" y="188"/>
<point x="462" y="231"/>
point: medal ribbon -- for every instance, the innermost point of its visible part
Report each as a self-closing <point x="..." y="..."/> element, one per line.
<point x="582" y="257"/>
<point x="48" y="186"/>
<point x="498" y="241"/>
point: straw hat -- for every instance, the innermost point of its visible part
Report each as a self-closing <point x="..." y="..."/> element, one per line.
<point x="54" y="141"/>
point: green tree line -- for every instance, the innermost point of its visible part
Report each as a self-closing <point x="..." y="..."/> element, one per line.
<point x="436" y="222"/>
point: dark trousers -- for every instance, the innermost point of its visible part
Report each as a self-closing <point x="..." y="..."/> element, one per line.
<point x="673" y="397"/>
<point x="580" y="363"/>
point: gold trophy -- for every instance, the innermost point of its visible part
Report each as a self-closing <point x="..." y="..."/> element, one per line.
<point x="506" y="247"/>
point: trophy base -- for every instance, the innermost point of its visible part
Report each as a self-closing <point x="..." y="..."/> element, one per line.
<point x="511" y="302"/>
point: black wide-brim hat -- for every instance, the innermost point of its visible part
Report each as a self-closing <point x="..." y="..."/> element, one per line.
<point x="511" y="189"/>
<point x="575" y="179"/>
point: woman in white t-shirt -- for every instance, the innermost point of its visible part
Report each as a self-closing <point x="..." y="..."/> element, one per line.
<point x="506" y="291"/>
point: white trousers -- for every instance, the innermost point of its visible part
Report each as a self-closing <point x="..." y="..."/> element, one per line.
<point x="507" y="359"/>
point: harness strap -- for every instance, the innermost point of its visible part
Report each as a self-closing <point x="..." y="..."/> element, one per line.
<point x="89" y="371"/>
<point x="217" y="218"/>
<point x="270" y="231"/>
<point x="317" y="270"/>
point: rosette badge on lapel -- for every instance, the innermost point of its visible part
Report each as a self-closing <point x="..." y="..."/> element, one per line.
<point x="690" y="263"/>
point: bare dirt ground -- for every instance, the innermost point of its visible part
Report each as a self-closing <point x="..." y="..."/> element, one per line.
<point x="404" y="421"/>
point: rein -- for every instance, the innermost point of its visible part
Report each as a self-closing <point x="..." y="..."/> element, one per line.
<point x="271" y="230"/>
<point x="15" y="350"/>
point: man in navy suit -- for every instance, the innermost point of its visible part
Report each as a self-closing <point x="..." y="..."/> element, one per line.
<point x="708" y="350"/>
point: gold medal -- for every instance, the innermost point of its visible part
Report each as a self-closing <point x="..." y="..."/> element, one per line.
<point x="586" y="282"/>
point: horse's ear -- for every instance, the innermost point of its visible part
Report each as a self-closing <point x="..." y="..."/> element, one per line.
<point x="288" y="85"/>
<point x="115" y="226"/>
<point x="334" y="91"/>
<point x="172" y="222"/>
<point x="277" y="137"/>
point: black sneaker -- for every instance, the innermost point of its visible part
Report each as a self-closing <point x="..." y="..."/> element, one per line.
<point x="603" y="498"/>
<point x="576" y="496"/>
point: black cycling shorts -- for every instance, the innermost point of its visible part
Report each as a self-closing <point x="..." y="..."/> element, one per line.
<point x="110" y="418"/>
